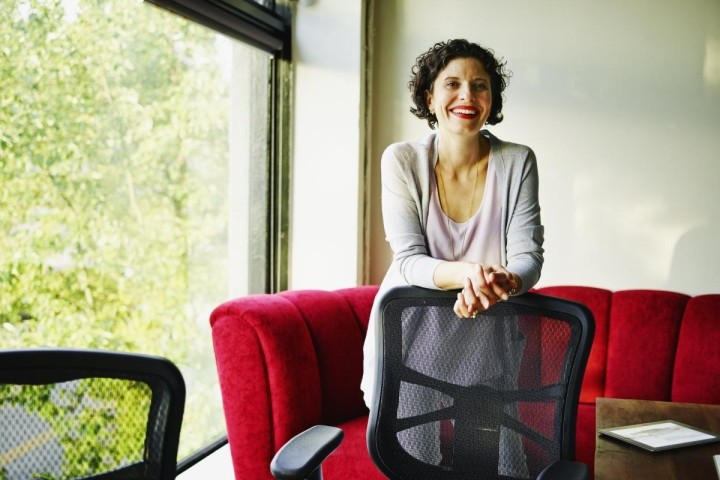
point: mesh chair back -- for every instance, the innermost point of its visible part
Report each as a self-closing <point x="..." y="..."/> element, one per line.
<point x="490" y="397"/>
<point x="86" y="414"/>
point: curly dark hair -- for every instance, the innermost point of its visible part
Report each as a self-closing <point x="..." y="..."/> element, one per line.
<point x="431" y="63"/>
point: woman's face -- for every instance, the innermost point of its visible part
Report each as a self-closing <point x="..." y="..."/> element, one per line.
<point x="461" y="97"/>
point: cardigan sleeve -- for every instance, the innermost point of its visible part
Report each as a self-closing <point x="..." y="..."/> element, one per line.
<point x="402" y="187"/>
<point x="525" y="232"/>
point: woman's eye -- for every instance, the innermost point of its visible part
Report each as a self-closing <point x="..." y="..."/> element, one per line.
<point x="451" y="84"/>
<point x="481" y="86"/>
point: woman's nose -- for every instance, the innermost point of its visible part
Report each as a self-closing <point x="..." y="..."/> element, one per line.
<point x="465" y="92"/>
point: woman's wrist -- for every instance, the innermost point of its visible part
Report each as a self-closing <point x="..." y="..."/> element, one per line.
<point x="451" y="274"/>
<point x="517" y="284"/>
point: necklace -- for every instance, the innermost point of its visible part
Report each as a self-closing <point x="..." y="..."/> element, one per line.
<point x="443" y="198"/>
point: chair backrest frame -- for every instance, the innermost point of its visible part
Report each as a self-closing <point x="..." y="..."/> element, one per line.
<point x="543" y="305"/>
<point x="47" y="366"/>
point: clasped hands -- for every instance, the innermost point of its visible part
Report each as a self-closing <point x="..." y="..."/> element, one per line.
<point x="485" y="287"/>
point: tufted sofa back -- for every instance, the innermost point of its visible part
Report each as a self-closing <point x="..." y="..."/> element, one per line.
<point x="292" y="360"/>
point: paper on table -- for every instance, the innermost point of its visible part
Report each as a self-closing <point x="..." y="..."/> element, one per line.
<point x="662" y="434"/>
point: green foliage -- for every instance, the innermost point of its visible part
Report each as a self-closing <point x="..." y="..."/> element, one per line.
<point x="113" y="144"/>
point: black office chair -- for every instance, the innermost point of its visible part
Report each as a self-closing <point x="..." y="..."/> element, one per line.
<point x="88" y="414"/>
<point x="494" y="397"/>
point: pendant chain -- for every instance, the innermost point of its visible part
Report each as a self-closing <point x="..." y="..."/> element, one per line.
<point x="469" y="211"/>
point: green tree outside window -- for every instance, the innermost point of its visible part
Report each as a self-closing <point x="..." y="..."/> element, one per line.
<point x="113" y="181"/>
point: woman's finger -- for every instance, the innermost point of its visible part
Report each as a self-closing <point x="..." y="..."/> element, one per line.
<point x="485" y="301"/>
<point x="480" y="281"/>
<point x="489" y="289"/>
<point x="506" y="280"/>
<point x="456" y="308"/>
<point x="460" y="308"/>
<point x="500" y="284"/>
<point x="470" y="296"/>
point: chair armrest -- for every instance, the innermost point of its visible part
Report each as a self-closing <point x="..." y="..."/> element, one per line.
<point x="565" y="470"/>
<point x="302" y="456"/>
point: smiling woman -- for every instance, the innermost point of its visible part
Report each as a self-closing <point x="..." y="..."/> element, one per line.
<point x="135" y="183"/>
<point x="460" y="206"/>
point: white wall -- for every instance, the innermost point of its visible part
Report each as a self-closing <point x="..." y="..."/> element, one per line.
<point x="326" y="208"/>
<point x="620" y="101"/>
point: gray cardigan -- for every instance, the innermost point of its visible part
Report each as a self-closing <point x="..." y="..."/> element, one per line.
<point x="407" y="170"/>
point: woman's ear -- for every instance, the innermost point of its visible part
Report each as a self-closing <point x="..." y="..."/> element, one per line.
<point x="428" y="101"/>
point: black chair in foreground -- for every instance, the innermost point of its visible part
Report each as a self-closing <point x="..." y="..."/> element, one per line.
<point x="88" y="414"/>
<point x="494" y="397"/>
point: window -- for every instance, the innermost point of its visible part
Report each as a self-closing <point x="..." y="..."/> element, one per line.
<point x="139" y="171"/>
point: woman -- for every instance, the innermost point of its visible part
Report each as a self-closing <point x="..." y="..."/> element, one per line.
<point x="460" y="206"/>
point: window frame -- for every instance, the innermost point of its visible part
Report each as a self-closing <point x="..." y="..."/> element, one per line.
<point x="244" y="20"/>
<point x="270" y="31"/>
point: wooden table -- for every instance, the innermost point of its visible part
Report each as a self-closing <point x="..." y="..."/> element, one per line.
<point x="616" y="460"/>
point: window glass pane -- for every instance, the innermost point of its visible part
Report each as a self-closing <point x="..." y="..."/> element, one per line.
<point x="133" y="184"/>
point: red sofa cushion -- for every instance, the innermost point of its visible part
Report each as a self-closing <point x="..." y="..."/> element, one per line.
<point x="337" y="339"/>
<point x="351" y="461"/>
<point x="644" y="327"/>
<point x="696" y="376"/>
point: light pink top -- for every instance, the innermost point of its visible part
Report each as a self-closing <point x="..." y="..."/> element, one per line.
<point x="476" y="240"/>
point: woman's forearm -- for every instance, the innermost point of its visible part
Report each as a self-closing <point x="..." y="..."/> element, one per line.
<point x="452" y="275"/>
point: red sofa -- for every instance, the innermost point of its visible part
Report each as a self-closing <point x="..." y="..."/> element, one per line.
<point x="292" y="360"/>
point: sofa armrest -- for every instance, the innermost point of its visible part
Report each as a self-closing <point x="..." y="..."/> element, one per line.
<point x="286" y="362"/>
<point x="268" y="377"/>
